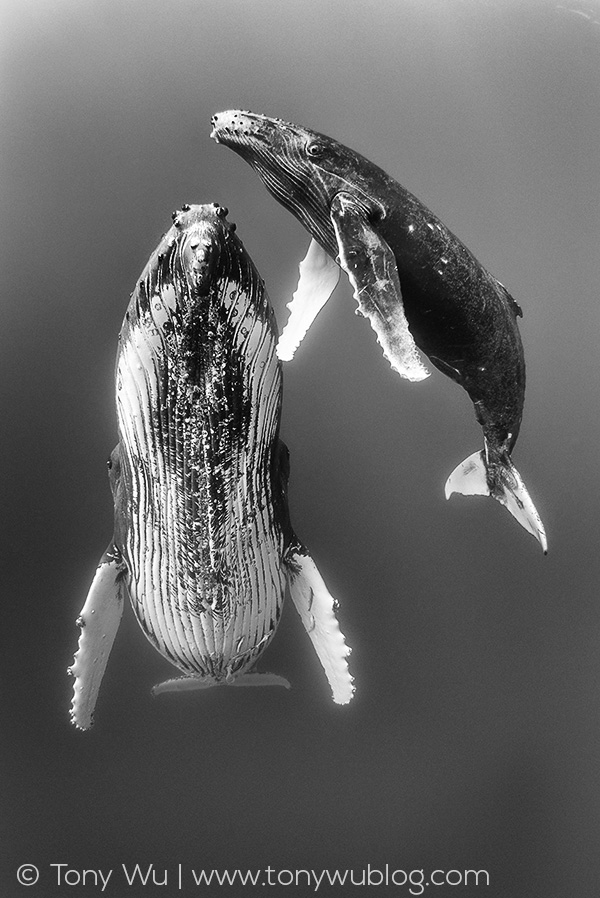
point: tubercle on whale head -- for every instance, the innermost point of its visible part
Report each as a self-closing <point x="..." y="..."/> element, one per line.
<point x="190" y="214"/>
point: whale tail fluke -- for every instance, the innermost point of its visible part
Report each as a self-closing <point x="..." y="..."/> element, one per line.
<point x="192" y="684"/>
<point x="488" y="474"/>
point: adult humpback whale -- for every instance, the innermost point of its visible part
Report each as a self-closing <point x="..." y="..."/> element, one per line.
<point x="203" y="543"/>
<point x="418" y="285"/>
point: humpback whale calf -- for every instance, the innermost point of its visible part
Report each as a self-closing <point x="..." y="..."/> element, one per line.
<point x="203" y="544"/>
<point x="419" y="286"/>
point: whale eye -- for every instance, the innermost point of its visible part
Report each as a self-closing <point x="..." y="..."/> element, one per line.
<point x="315" y="149"/>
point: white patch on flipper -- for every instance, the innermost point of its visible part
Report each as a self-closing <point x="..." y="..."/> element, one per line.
<point x="192" y="684"/>
<point x="99" y="620"/>
<point x="316" y="605"/>
<point x="319" y="275"/>
<point x="371" y="268"/>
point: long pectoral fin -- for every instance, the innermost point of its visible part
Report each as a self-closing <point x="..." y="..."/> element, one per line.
<point x="316" y="607"/>
<point x="99" y="621"/>
<point x="319" y="275"/>
<point x="371" y="267"/>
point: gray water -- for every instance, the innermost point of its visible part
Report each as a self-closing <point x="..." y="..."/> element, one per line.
<point x="473" y="739"/>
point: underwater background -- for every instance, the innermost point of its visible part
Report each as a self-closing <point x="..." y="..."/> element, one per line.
<point x="473" y="740"/>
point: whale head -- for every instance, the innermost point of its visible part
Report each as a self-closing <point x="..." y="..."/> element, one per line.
<point x="303" y="169"/>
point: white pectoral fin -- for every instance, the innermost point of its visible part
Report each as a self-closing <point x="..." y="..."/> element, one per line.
<point x="316" y="607"/>
<point x="502" y="482"/>
<point x="319" y="275"/>
<point x="99" y="621"/>
<point x="371" y="268"/>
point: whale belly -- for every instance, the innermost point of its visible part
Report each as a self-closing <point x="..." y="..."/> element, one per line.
<point x="198" y="402"/>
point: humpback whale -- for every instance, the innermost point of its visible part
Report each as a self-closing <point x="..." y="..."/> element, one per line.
<point x="203" y="545"/>
<point x="419" y="286"/>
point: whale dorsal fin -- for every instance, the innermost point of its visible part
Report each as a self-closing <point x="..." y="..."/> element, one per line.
<point x="319" y="275"/>
<point x="371" y="267"/>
